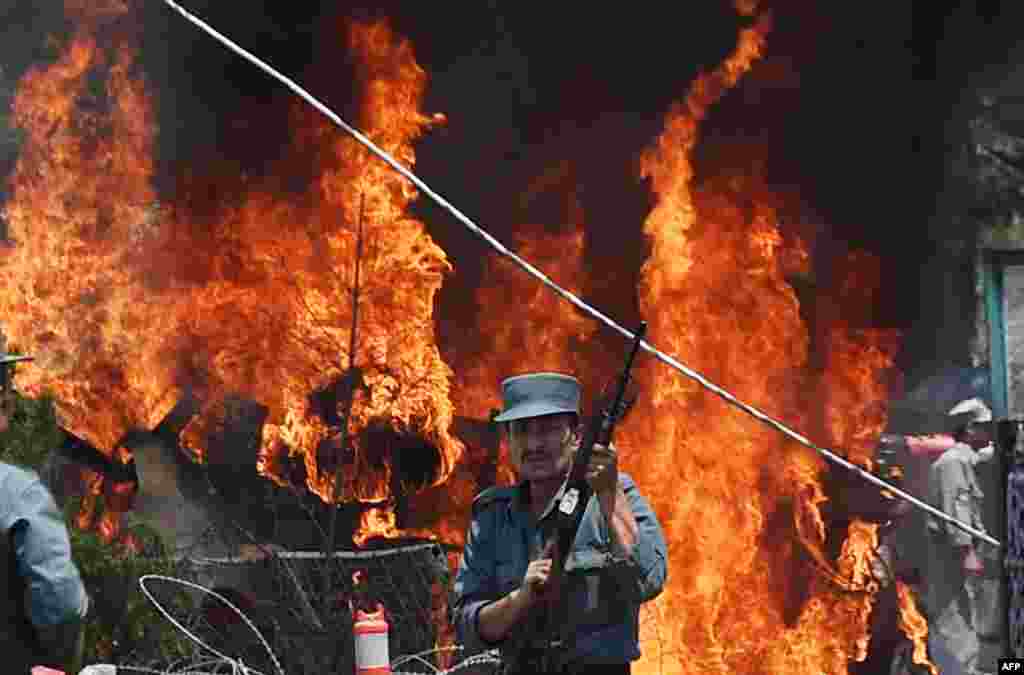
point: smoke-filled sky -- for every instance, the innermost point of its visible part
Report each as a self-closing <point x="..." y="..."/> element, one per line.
<point x="849" y="109"/>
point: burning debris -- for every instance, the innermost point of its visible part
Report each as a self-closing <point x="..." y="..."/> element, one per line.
<point x="152" y="305"/>
<point x="147" y="300"/>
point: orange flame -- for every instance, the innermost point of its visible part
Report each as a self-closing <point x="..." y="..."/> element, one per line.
<point x="79" y="311"/>
<point x="914" y="626"/>
<point x="852" y="385"/>
<point x="402" y="381"/>
<point x="542" y="334"/>
<point x="382" y="522"/>
<point x="143" y="303"/>
<point x="715" y="290"/>
<point x="93" y="488"/>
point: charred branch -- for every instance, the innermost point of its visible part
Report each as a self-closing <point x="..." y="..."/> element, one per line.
<point x="81" y="452"/>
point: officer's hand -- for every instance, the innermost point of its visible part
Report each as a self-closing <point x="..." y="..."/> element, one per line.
<point x="603" y="470"/>
<point x="972" y="564"/>
<point x="535" y="581"/>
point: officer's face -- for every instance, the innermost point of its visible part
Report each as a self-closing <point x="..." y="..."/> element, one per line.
<point x="542" y="447"/>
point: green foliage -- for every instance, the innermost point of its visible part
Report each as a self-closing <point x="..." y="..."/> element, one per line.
<point x="123" y="625"/>
<point x="33" y="433"/>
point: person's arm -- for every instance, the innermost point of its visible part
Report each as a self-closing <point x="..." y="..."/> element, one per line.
<point x="56" y="599"/>
<point x="930" y="446"/>
<point x="639" y="550"/>
<point x="622" y="525"/>
<point x="476" y="587"/>
<point x="496" y="620"/>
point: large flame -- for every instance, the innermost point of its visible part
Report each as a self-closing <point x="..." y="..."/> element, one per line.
<point x="752" y="587"/>
<point x="715" y="292"/>
<point x="80" y="215"/>
<point x="131" y="305"/>
<point x="542" y="334"/>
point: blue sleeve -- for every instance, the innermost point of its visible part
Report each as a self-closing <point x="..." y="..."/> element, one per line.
<point x="644" y="570"/>
<point x="55" y="591"/>
<point x="475" y="583"/>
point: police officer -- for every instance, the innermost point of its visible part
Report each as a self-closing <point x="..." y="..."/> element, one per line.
<point x="618" y="559"/>
<point x="956" y="590"/>
<point x="40" y="622"/>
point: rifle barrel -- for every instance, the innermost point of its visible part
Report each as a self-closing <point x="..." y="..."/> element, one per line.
<point x="563" y="524"/>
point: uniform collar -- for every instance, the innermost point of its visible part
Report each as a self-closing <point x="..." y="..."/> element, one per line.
<point x="521" y="501"/>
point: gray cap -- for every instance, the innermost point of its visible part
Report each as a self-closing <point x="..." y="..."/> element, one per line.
<point x="972" y="410"/>
<point x="975" y="407"/>
<point x="539" y="394"/>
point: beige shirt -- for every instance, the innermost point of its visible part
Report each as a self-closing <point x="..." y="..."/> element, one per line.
<point x="953" y="489"/>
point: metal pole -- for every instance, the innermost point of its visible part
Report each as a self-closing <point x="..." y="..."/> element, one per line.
<point x="329" y="544"/>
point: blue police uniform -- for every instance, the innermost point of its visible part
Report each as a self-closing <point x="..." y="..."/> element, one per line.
<point x="604" y="591"/>
<point x="46" y="597"/>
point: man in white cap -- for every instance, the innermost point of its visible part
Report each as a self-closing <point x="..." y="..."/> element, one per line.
<point x="618" y="560"/>
<point x="956" y="594"/>
<point x="41" y="623"/>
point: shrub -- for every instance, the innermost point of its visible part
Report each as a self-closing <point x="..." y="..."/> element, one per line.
<point x="123" y="626"/>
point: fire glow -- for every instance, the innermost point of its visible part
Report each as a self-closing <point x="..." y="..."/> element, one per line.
<point x="256" y="301"/>
<point x="132" y="303"/>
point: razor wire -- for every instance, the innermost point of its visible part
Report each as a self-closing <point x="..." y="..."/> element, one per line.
<point x="570" y="297"/>
<point x="178" y="598"/>
<point x="409" y="580"/>
<point x="238" y="667"/>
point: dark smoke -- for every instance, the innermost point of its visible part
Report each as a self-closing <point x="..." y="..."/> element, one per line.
<point x="860" y="116"/>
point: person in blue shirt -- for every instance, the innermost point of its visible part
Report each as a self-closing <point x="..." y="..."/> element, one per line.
<point x="618" y="561"/>
<point x="41" y="621"/>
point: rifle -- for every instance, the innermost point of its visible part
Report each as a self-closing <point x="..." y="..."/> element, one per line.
<point x="533" y="651"/>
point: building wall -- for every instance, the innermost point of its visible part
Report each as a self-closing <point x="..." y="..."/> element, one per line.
<point x="1004" y="238"/>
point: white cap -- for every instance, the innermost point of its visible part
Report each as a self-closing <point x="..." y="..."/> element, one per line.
<point x="975" y="410"/>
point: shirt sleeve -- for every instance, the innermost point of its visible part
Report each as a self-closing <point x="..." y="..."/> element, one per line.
<point x="475" y="583"/>
<point x="55" y="591"/>
<point x="954" y="498"/>
<point x="644" y="569"/>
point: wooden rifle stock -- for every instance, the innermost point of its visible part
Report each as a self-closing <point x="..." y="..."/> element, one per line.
<point x="532" y="651"/>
